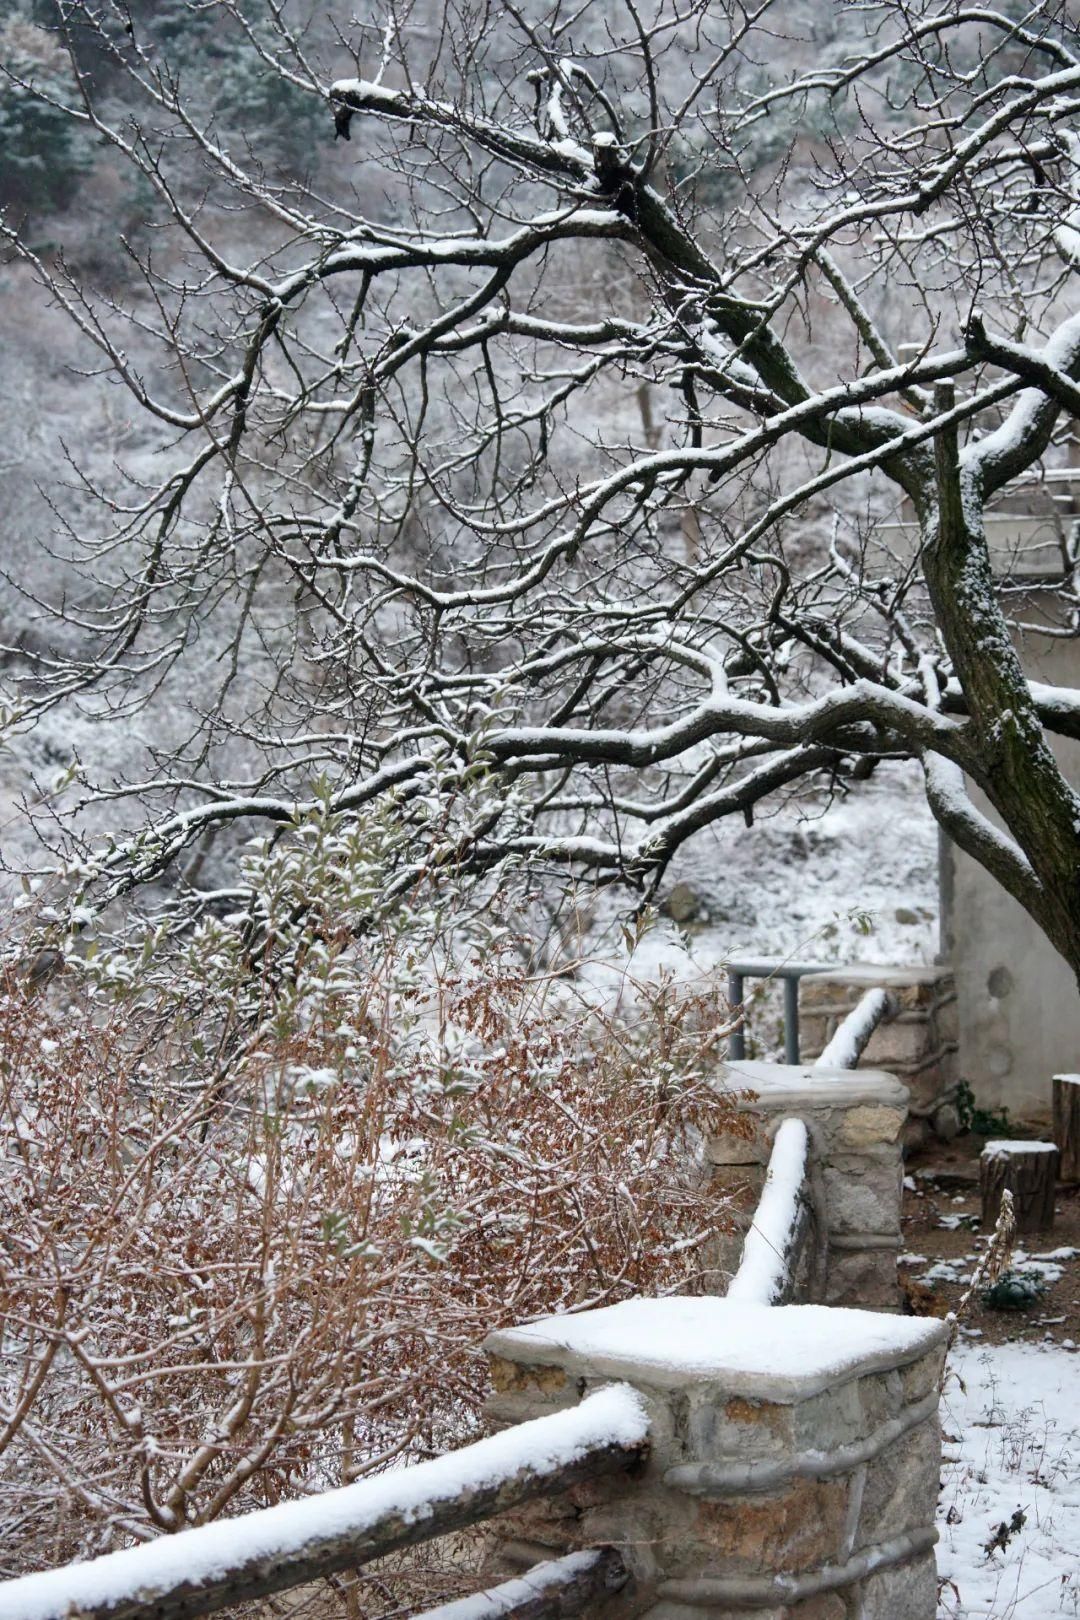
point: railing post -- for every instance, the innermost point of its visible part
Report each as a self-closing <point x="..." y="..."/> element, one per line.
<point x="794" y="1463"/>
<point x="737" y="1038"/>
<point x="791" y="1020"/>
<point x="761" y="968"/>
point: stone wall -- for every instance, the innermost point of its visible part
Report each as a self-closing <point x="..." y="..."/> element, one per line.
<point x="856" y="1122"/>
<point x="795" y="1453"/>
<point x="918" y="1044"/>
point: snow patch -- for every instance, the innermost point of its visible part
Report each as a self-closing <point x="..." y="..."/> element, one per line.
<point x="1012" y="1436"/>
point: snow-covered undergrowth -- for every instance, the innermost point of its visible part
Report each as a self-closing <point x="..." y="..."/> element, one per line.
<point x="1011" y="1421"/>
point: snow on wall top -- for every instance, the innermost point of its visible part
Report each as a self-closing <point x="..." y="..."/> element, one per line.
<point x="806" y="1084"/>
<point x="782" y="1353"/>
<point x="872" y="974"/>
<point x="545" y="1445"/>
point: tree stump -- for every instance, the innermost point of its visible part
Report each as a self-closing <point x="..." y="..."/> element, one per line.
<point x="1029" y="1171"/>
<point x="1067" y="1124"/>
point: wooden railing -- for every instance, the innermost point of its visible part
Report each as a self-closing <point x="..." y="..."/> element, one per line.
<point x="234" y="1560"/>
<point x="853" y="1035"/>
<point x="551" y="1591"/>
<point x="773" y="1244"/>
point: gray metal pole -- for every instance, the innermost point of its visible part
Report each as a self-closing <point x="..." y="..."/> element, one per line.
<point x="737" y="1038"/>
<point x="791" y="1019"/>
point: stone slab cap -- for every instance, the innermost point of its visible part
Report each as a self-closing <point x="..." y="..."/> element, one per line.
<point x="889" y="978"/>
<point x="779" y="1353"/>
<point x="803" y="1084"/>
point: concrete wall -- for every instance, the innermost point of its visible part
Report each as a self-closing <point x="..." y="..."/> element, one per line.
<point x="1019" y="1010"/>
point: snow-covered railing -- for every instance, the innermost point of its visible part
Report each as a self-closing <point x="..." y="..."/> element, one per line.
<point x="772" y="1248"/>
<point x="916" y="1040"/>
<point x="562" y="1586"/>
<point x="853" y="1035"/>
<point x="235" y="1560"/>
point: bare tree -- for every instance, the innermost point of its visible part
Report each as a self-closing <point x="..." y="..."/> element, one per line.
<point x="547" y="433"/>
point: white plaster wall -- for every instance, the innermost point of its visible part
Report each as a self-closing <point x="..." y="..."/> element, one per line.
<point x="1018" y="1004"/>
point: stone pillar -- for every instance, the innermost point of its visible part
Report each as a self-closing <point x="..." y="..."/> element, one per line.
<point x="855" y="1118"/>
<point x="794" y="1462"/>
<point x="918" y="1044"/>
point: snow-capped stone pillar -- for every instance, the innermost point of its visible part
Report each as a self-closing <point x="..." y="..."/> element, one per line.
<point x="855" y="1119"/>
<point x="918" y="1043"/>
<point x="793" y="1470"/>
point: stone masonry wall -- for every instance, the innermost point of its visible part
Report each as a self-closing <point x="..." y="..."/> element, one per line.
<point x="856" y="1121"/>
<point x="918" y="1044"/>
<point x="768" y="1495"/>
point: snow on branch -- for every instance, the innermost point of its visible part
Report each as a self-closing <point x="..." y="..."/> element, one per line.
<point x="1025" y="433"/>
<point x="975" y="833"/>
<point x="558" y="159"/>
<point x="787" y="724"/>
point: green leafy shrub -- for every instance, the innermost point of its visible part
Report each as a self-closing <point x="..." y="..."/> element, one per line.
<point x="1014" y="1291"/>
<point x="980" y="1121"/>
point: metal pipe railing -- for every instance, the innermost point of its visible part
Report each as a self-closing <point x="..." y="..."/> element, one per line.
<point x="765" y="968"/>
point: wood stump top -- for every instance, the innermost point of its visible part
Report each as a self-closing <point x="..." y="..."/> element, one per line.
<point x="1028" y="1170"/>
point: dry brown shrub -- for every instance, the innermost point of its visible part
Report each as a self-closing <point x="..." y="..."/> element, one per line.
<point x="218" y="1293"/>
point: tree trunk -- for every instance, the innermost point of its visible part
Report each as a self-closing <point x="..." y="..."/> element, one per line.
<point x="1008" y="754"/>
<point x="1067" y="1124"/>
<point x="1029" y="1171"/>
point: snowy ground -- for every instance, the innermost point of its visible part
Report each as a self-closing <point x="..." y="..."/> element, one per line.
<point x="1011" y="1416"/>
<point x="851" y="880"/>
